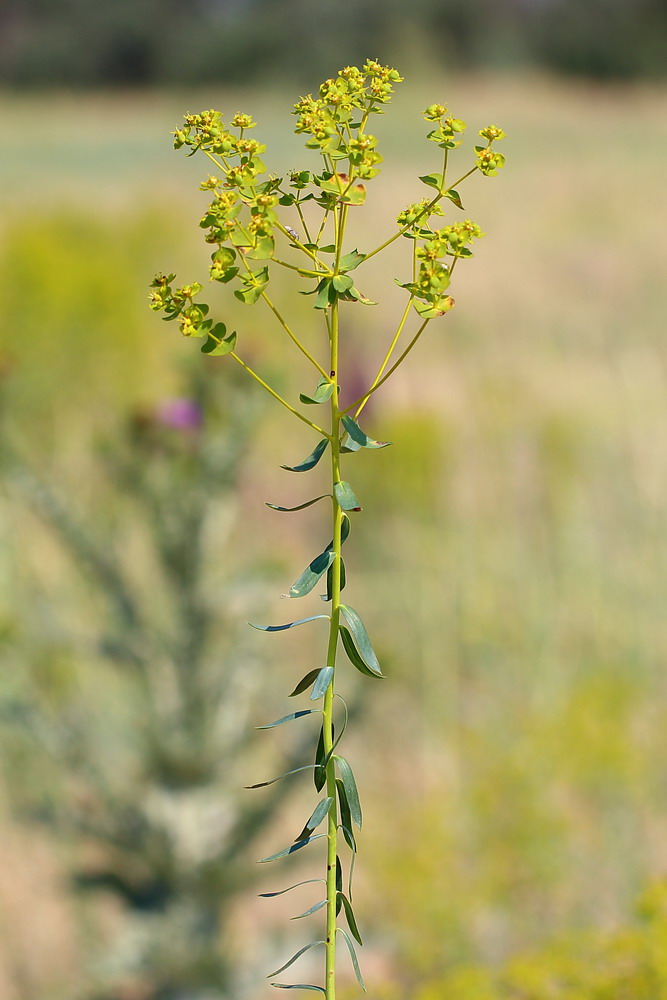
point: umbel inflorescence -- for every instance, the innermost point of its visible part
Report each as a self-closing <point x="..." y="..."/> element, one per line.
<point x="262" y="226"/>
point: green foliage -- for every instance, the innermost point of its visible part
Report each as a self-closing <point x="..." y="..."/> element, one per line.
<point x="247" y="221"/>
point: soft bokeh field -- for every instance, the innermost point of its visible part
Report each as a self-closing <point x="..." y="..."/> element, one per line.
<point x="511" y="560"/>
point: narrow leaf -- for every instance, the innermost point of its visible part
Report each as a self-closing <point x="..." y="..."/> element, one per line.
<point x="298" y="986"/>
<point x="312" y="573"/>
<point x="349" y="838"/>
<point x="305" y="682"/>
<point x="292" y="849"/>
<point x="263" y="784"/>
<point x="345" y="816"/>
<point x="293" y="959"/>
<point x="312" y="460"/>
<point x="289" y="718"/>
<point x="322" y="682"/>
<point x="361" y="640"/>
<point x="300" y="506"/>
<point x="327" y="596"/>
<point x="320" y="776"/>
<point x="281" y="892"/>
<point x="353" y="656"/>
<point x="281" y="628"/>
<point x="350" y="786"/>
<point x="323" y="392"/>
<point x="353" y="956"/>
<point x="349" y="916"/>
<point x="345" y="496"/>
<point x="360" y="437"/>
<point x="320" y="811"/>
<point x="312" y="909"/>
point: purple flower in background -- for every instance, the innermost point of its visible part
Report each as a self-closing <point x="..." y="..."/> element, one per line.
<point x="180" y="413"/>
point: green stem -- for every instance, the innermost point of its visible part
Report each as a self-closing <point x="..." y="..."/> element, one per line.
<point x="361" y="402"/>
<point x="275" y="395"/>
<point x="293" y="337"/>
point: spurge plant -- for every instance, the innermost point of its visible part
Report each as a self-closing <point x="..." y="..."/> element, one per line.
<point x="259" y="225"/>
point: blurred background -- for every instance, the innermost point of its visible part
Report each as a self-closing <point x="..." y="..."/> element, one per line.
<point x="512" y="769"/>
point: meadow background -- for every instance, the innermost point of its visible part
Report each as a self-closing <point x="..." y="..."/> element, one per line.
<point x="510" y="564"/>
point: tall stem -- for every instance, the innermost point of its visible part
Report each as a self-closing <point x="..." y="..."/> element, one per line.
<point x="337" y="514"/>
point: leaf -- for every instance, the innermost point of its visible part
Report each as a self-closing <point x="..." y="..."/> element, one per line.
<point x="312" y="460"/>
<point x="281" y="892"/>
<point x="311" y="574"/>
<point x="342" y="282"/>
<point x="360" y="437"/>
<point x="300" y="506"/>
<point x="324" y="289"/>
<point x="343" y="580"/>
<point x="356" y="195"/>
<point x="293" y="959"/>
<point x="318" y="814"/>
<point x="345" y="496"/>
<point x="312" y="909"/>
<point x="353" y="956"/>
<point x="305" y="682"/>
<point x="292" y="849"/>
<point x="361" y="640"/>
<point x="289" y="718"/>
<point x="272" y="781"/>
<point x="349" y="916"/>
<point x="345" y="815"/>
<point x="432" y="180"/>
<point x="322" y="392"/>
<point x="354" y="293"/>
<point x="349" y="261"/>
<point x="350" y="786"/>
<point x="319" y="775"/>
<point x="298" y="986"/>
<point x="353" y="655"/>
<point x="217" y="345"/>
<point x="322" y="683"/>
<point x="281" y="628"/>
<point x="454" y="196"/>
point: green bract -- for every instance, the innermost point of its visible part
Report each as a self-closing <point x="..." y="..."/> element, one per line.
<point x="295" y="226"/>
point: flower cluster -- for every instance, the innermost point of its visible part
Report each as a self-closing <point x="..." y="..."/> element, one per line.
<point x="447" y="126"/>
<point x="488" y="160"/>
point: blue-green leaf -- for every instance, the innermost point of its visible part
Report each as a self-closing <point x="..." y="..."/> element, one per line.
<point x="299" y="986"/>
<point x="353" y="656"/>
<point x="312" y="573"/>
<point x="289" y="718"/>
<point x="343" y="580"/>
<point x="323" y="392"/>
<point x="300" y="506"/>
<point x="305" y="682"/>
<point x="322" y="682"/>
<point x="299" y="845"/>
<point x="320" y="811"/>
<point x="281" y="892"/>
<point x="361" y="640"/>
<point x="293" y="959"/>
<point x="312" y="460"/>
<point x="312" y="909"/>
<point x="360" y="437"/>
<point x="349" y="916"/>
<point x="272" y="781"/>
<point x="281" y="628"/>
<point x="353" y="956"/>
<point x="350" y="786"/>
<point x="345" y="496"/>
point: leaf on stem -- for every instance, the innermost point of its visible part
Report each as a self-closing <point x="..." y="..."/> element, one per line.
<point x="219" y="341"/>
<point x="281" y="628"/>
<point x="349" y="916"/>
<point x="345" y="496"/>
<point x="300" y="506"/>
<point x="272" y="781"/>
<point x="361" y="640"/>
<point x="455" y="197"/>
<point x="305" y="682"/>
<point x="311" y="461"/>
<point x="322" y="392"/>
<point x="433" y="180"/>
<point x="350" y="260"/>
<point x="343" y="580"/>
<point x="360" y="437"/>
<point x="319" y="813"/>
<point x="320" y="774"/>
<point x="293" y="959"/>
<point x="281" y="892"/>
<point x="290" y="718"/>
<point x="299" y="986"/>
<point x="312" y="909"/>
<point x="353" y="956"/>
<point x="322" y="682"/>
<point x="350" y="789"/>
<point x="299" y="845"/>
<point x="312" y="573"/>
<point x="353" y="656"/>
